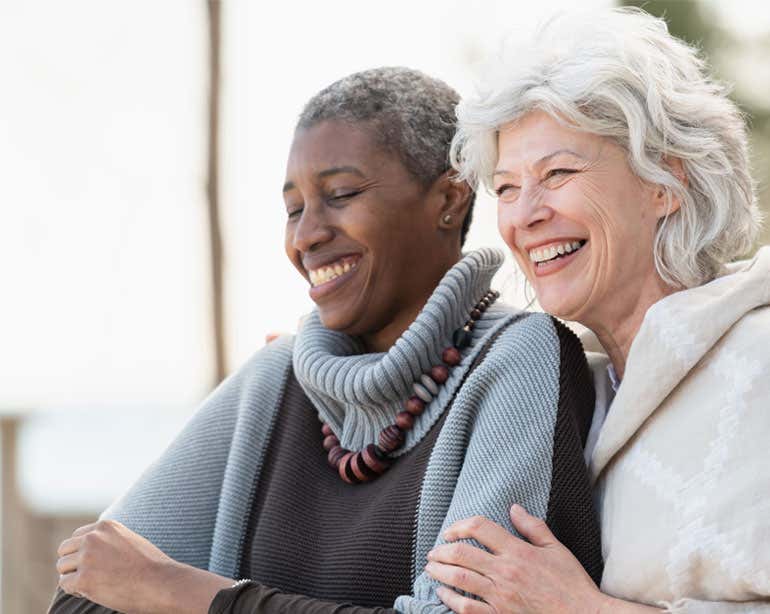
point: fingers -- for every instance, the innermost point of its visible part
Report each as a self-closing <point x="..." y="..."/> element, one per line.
<point x="462" y="605"/>
<point x="487" y="533"/>
<point x="85" y="529"/>
<point x="464" y="555"/>
<point x="459" y="577"/>
<point x="68" y="583"/>
<point x="531" y="527"/>
<point x="67" y="564"/>
<point x="68" y="546"/>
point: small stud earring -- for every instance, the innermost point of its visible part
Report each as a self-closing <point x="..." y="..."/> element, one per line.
<point x="446" y="219"/>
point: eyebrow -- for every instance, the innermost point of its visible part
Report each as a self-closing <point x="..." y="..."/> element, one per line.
<point x="335" y="170"/>
<point x="544" y="159"/>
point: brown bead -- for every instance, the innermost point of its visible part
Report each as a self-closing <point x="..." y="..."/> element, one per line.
<point x="451" y="356"/>
<point x="481" y="306"/>
<point x="404" y="420"/>
<point x="330" y="441"/>
<point x="439" y="373"/>
<point x="475" y="314"/>
<point x="345" y="470"/>
<point x="391" y="438"/>
<point x="334" y="456"/>
<point x="374" y="461"/>
<point x="414" y="405"/>
<point x="360" y="470"/>
<point x="327" y="430"/>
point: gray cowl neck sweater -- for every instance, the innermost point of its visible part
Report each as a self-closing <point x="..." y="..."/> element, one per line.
<point x="359" y="394"/>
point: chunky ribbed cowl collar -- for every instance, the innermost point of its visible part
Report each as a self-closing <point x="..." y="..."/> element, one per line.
<point x="359" y="394"/>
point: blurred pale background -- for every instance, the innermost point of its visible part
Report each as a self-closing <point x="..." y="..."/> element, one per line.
<point x="129" y="288"/>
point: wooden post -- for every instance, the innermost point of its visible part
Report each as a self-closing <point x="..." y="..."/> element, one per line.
<point x="212" y="191"/>
<point x="14" y="559"/>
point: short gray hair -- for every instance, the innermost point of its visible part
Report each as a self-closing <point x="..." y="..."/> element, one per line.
<point x="413" y="116"/>
<point x="618" y="73"/>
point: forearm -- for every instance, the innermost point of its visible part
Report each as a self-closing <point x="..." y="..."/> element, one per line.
<point x="253" y="598"/>
<point x="175" y="589"/>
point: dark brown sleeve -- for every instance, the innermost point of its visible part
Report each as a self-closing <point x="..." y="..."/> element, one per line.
<point x="571" y="512"/>
<point x="253" y="598"/>
<point x="67" y="604"/>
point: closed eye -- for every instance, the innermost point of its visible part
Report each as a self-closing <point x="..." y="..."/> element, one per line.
<point x="294" y="213"/>
<point x="507" y="190"/>
<point x="343" y="196"/>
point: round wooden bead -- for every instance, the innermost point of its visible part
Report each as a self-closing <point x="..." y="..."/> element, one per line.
<point x="391" y="438"/>
<point x="327" y="430"/>
<point x="440" y="374"/>
<point x="330" y="441"/>
<point x="360" y="470"/>
<point x="404" y="420"/>
<point x="374" y="461"/>
<point x="451" y="356"/>
<point x="345" y="470"/>
<point x="481" y="306"/>
<point x="334" y="456"/>
<point x="475" y="314"/>
<point x="428" y="382"/>
<point x="415" y="405"/>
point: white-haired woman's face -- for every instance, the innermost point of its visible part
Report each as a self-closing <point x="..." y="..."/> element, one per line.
<point x="580" y="223"/>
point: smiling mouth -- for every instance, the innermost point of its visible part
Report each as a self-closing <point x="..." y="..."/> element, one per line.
<point x="555" y="251"/>
<point x="329" y="272"/>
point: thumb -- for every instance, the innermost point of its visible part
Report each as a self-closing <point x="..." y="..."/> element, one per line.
<point x="531" y="527"/>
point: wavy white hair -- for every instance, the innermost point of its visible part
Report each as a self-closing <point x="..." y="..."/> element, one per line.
<point x="619" y="73"/>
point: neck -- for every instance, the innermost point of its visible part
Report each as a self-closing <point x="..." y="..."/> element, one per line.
<point x="617" y="324"/>
<point x="385" y="337"/>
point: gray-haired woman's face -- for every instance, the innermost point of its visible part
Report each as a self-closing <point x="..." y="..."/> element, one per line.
<point x="580" y="223"/>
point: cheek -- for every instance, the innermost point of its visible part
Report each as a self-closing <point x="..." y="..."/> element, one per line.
<point x="505" y="225"/>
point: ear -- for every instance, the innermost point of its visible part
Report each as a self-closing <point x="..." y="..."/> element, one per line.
<point x="451" y="200"/>
<point x="662" y="205"/>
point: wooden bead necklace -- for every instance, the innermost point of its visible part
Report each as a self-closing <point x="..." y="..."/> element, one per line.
<point x="374" y="459"/>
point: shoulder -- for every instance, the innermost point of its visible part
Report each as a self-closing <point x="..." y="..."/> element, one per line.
<point x="265" y="365"/>
<point x="538" y="337"/>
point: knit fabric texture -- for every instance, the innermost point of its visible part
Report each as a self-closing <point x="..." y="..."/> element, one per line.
<point x="495" y="448"/>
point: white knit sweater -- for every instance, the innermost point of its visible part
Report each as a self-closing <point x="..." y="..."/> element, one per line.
<point x="682" y="463"/>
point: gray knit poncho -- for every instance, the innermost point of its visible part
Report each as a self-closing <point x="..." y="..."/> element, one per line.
<point x="495" y="447"/>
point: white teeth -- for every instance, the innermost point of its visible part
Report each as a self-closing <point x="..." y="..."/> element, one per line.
<point x="325" y="274"/>
<point x="549" y="253"/>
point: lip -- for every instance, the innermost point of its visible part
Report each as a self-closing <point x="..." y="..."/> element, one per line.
<point x="319" y="292"/>
<point x="554" y="266"/>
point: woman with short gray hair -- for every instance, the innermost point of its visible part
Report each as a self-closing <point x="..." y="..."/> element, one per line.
<point x="623" y="184"/>
<point x="322" y="472"/>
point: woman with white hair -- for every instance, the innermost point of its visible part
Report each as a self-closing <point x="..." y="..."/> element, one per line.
<point x="624" y="192"/>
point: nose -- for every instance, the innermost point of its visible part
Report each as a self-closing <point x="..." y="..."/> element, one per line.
<point x="529" y="210"/>
<point x="312" y="229"/>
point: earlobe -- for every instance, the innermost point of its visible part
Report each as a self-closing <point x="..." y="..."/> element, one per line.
<point x="454" y="202"/>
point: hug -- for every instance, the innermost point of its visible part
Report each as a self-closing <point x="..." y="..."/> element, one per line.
<point x="418" y="446"/>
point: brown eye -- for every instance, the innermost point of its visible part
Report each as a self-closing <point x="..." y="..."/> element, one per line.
<point x="556" y="172"/>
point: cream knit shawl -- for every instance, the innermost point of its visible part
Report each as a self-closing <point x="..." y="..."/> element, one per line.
<point x="682" y="463"/>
